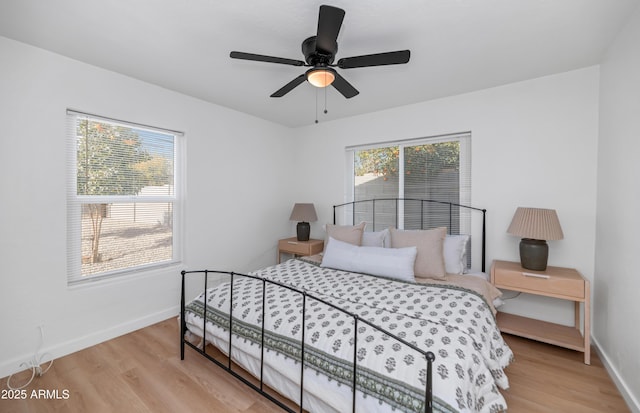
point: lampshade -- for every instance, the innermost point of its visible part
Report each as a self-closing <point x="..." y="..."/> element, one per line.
<point x="536" y="223"/>
<point x="321" y="77"/>
<point x="303" y="213"/>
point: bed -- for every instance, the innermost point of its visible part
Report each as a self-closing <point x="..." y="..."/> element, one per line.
<point x="363" y="315"/>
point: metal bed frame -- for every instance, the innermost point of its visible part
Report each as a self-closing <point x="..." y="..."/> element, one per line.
<point x="424" y="209"/>
<point x="429" y="357"/>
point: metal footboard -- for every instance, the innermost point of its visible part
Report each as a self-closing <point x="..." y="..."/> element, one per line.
<point x="429" y="357"/>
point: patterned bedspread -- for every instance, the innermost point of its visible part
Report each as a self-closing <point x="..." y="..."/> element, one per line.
<point x="456" y="324"/>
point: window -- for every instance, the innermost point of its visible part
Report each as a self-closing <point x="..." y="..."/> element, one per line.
<point x="123" y="197"/>
<point x="437" y="168"/>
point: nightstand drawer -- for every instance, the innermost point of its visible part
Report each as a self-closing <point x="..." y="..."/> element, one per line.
<point x="300" y="248"/>
<point x="553" y="282"/>
<point x="294" y="247"/>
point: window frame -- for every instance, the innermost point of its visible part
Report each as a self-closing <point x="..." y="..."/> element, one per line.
<point x="464" y="139"/>
<point x="75" y="202"/>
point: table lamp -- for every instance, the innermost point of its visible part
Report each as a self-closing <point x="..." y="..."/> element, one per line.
<point x="303" y="213"/>
<point x="535" y="226"/>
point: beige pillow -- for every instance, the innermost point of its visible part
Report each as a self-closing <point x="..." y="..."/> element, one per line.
<point x="430" y="259"/>
<point x="345" y="233"/>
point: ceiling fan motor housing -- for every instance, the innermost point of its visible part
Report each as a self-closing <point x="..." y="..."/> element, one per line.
<point x="314" y="56"/>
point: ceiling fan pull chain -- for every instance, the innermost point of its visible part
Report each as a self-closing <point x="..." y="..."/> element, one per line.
<point x="316" y="105"/>
<point x="325" y="100"/>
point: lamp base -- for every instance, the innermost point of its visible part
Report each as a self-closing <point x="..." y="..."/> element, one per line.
<point x="534" y="254"/>
<point x="303" y="229"/>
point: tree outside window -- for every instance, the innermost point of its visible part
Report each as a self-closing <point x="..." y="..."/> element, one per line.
<point x="421" y="170"/>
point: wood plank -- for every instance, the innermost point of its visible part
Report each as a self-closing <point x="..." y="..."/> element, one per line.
<point x="539" y="330"/>
<point x="142" y="372"/>
<point x="547" y="378"/>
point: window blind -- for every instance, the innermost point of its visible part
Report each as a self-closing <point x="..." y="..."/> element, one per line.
<point x="436" y="168"/>
<point x="123" y="197"/>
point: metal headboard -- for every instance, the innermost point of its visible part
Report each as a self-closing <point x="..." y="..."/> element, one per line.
<point x="452" y="212"/>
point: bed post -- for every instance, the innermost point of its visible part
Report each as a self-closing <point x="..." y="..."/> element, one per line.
<point x="304" y="315"/>
<point x="264" y="315"/>
<point x="484" y="238"/>
<point x="355" y="360"/>
<point x="183" y="324"/>
<point x="428" y="408"/>
<point x="204" y="317"/>
<point x="230" y="318"/>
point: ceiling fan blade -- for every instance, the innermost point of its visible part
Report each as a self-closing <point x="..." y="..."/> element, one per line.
<point x="344" y="87"/>
<point x="329" y="23"/>
<point x="289" y="86"/>
<point x="263" y="58"/>
<point x="378" y="59"/>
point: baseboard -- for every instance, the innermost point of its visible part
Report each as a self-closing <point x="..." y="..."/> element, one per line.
<point x="62" y="349"/>
<point x="629" y="398"/>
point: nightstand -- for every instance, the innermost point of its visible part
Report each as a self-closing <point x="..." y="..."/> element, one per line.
<point x="556" y="282"/>
<point x="299" y="248"/>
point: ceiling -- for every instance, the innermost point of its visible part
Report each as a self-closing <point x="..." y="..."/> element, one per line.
<point x="457" y="46"/>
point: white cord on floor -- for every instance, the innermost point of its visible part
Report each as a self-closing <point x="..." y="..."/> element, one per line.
<point x="35" y="364"/>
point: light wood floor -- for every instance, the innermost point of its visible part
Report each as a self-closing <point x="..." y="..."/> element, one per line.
<point x="142" y="372"/>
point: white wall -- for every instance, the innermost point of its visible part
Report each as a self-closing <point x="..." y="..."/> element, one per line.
<point x="533" y="144"/>
<point x="238" y="190"/>
<point x="617" y="307"/>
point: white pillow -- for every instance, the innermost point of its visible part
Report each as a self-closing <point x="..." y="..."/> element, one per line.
<point x="376" y="239"/>
<point x="455" y="253"/>
<point x="387" y="262"/>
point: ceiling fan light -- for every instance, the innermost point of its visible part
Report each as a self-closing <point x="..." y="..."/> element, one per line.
<point x="320" y="77"/>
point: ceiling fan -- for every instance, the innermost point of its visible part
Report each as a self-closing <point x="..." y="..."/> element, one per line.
<point x="319" y="52"/>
